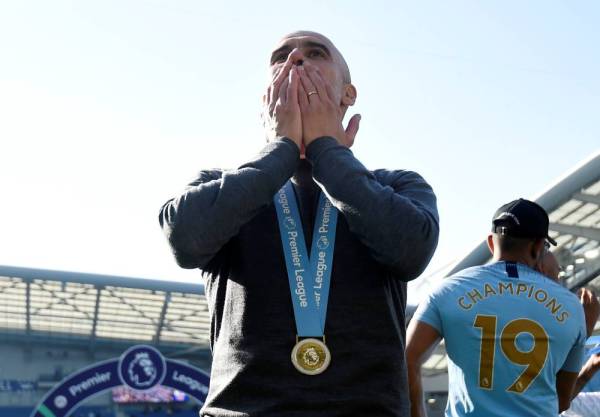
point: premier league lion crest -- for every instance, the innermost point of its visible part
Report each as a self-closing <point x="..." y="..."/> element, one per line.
<point x="290" y="223"/>
<point x="142" y="368"/>
<point x="323" y="243"/>
<point x="311" y="357"/>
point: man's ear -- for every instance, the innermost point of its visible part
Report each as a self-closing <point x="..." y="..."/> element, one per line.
<point x="490" y="243"/>
<point x="349" y="96"/>
<point x="540" y="266"/>
<point x="537" y="250"/>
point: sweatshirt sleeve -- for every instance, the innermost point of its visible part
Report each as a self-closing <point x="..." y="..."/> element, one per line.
<point x="394" y="213"/>
<point x="213" y="208"/>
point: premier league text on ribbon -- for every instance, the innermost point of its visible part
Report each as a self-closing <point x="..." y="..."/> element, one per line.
<point x="323" y="242"/>
<point x="296" y="256"/>
<point x="308" y="276"/>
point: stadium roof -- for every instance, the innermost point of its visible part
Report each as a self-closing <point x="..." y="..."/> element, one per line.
<point x="37" y="304"/>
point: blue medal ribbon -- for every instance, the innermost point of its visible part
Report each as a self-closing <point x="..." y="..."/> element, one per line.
<point x="309" y="278"/>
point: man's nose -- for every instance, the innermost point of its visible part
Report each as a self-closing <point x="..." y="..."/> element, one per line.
<point x="297" y="56"/>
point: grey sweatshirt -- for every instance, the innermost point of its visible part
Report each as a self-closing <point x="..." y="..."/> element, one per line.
<point x="225" y="224"/>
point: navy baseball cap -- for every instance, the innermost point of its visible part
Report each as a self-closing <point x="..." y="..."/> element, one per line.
<point x="522" y="219"/>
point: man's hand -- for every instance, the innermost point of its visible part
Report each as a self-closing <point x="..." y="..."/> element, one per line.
<point x="591" y="308"/>
<point x="281" y="110"/>
<point x="589" y="369"/>
<point x="321" y="114"/>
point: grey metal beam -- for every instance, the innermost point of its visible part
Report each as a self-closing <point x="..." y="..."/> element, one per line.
<point x="478" y="256"/>
<point x="587" y="198"/>
<point x="161" y="320"/>
<point x="95" y="322"/>
<point x="99" y="279"/>
<point x="28" y="306"/>
<point x="581" y="231"/>
<point x="590" y="275"/>
<point x="47" y="339"/>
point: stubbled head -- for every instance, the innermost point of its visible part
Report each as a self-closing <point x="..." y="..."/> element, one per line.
<point x="306" y="46"/>
<point x="508" y="248"/>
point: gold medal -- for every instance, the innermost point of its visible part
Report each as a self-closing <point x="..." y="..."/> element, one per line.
<point x="311" y="356"/>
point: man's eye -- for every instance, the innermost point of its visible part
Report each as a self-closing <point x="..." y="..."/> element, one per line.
<point x="316" y="53"/>
<point x="279" y="58"/>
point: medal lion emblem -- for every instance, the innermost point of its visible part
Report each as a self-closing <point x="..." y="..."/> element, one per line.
<point x="311" y="356"/>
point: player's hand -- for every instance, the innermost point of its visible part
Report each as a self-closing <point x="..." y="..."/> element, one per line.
<point x="281" y="110"/>
<point x="591" y="308"/>
<point x="321" y="114"/>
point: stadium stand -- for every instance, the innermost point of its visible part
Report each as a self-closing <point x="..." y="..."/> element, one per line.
<point x="53" y="323"/>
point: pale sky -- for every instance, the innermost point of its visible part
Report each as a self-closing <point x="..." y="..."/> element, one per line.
<point x="108" y="108"/>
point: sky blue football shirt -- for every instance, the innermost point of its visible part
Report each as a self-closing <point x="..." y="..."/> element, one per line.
<point x="508" y="331"/>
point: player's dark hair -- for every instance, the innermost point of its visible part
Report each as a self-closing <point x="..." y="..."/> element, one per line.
<point x="510" y="244"/>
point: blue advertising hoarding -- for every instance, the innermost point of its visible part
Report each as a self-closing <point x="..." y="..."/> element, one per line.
<point x="140" y="368"/>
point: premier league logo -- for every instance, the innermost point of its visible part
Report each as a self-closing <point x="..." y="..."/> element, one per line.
<point x="323" y="243"/>
<point x="142" y="367"/>
<point x="311" y="357"/>
<point x="142" y="370"/>
<point x="290" y="223"/>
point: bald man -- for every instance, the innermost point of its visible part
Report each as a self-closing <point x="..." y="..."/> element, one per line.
<point x="305" y="254"/>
